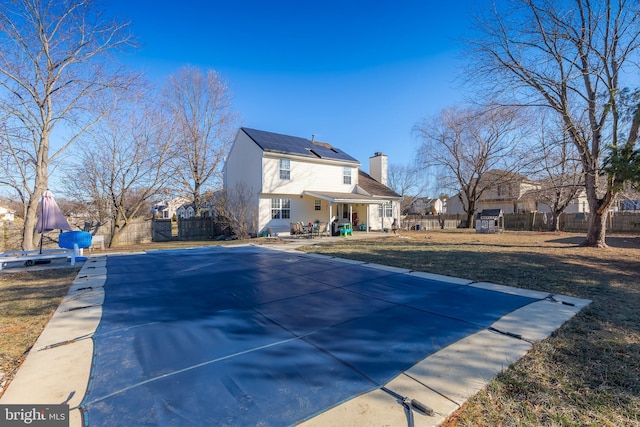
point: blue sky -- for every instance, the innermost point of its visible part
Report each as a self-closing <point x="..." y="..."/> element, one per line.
<point x="357" y="74"/>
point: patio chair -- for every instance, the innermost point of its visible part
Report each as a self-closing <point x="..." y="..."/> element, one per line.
<point x="305" y="230"/>
<point x="346" y="230"/>
<point x="295" y="229"/>
<point x="322" y="229"/>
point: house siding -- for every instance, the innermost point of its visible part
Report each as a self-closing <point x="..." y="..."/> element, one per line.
<point x="305" y="176"/>
<point x="302" y="210"/>
<point x="243" y="164"/>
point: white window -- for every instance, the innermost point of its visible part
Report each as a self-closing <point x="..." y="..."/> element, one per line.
<point x="346" y="175"/>
<point x="317" y="205"/>
<point x="280" y="208"/>
<point x="285" y="168"/>
<point x="385" y="210"/>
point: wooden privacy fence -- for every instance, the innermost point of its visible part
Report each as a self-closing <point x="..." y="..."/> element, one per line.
<point x="195" y="228"/>
<point x="137" y="231"/>
<point x="162" y="230"/>
<point x="570" y="222"/>
<point x="432" y="222"/>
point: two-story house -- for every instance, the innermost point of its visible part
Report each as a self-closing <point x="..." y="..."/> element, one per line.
<point x="295" y="179"/>
<point x="166" y="209"/>
<point x="500" y="190"/>
<point x="513" y="193"/>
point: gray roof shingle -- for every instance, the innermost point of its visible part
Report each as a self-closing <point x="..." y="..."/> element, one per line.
<point x="374" y="187"/>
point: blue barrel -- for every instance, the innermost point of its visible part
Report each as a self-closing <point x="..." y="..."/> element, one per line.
<point x="68" y="238"/>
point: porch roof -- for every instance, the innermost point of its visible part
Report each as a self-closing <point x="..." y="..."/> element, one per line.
<point x="334" y="197"/>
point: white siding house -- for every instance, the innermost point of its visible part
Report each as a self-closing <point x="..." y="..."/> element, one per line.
<point x="167" y="209"/>
<point x="186" y="211"/>
<point x="295" y="179"/>
<point x="6" y="214"/>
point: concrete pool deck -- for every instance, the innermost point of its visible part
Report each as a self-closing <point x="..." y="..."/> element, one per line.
<point x="58" y="367"/>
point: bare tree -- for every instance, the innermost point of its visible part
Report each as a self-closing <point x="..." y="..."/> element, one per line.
<point x="234" y="209"/>
<point x="122" y="167"/>
<point x="466" y="144"/>
<point x="570" y="57"/>
<point x="199" y="107"/>
<point x="408" y="182"/>
<point x="559" y="170"/>
<point x="54" y="70"/>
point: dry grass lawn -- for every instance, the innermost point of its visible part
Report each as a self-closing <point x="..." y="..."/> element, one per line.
<point x="27" y="302"/>
<point x="586" y="374"/>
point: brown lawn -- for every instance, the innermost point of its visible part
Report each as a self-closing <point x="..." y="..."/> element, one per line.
<point x="586" y="373"/>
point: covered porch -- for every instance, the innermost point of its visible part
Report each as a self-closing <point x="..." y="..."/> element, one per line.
<point x="361" y="211"/>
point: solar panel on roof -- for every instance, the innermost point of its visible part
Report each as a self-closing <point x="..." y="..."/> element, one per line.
<point x="276" y="142"/>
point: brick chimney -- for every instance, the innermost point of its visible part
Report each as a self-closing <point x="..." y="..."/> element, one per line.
<point x="378" y="167"/>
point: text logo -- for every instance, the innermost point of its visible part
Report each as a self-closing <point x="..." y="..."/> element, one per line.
<point x="34" y="415"/>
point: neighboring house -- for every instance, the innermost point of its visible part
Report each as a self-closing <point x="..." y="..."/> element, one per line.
<point x="300" y="180"/>
<point x="6" y="214"/>
<point x="426" y="206"/>
<point x="579" y="204"/>
<point x="167" y="209"/>
<point x="513" y="193"/>
<point x="186" y="211"/>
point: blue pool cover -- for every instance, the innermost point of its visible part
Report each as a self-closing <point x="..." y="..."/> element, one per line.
<point x="251" y="336"/>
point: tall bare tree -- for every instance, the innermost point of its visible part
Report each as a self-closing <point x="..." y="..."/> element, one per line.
<point x="122" y="166"/>
<point x="199" y="107"/>
<point x="466" y="144"/>
<point x="569" y="56"/>
<point x="55" y="68"/>
<point x="407" y="181"/>
<point x="557" y="167"/>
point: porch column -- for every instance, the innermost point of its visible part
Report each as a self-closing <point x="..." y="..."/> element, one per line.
<point x="367" y="227"/>
<point x="330" y="214"/>
<point x="350" y="214"/>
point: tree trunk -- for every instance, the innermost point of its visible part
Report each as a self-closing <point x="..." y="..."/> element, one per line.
<point x="120" y="224"/>
<point x="29" y="232"/>
<point x="29" y="227"/>
<point x="40" y="185"/>
<point x="470" y="219"/>
<point x="597" y="229"/>
<point x="555" y="219"/>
